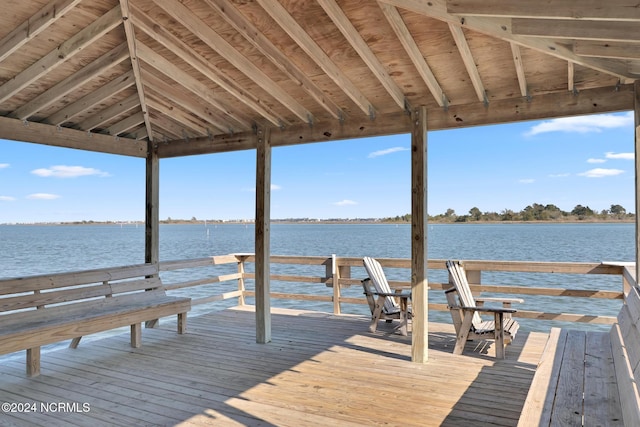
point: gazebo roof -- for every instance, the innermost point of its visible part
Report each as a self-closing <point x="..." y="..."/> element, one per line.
<point x="198" y="76"/>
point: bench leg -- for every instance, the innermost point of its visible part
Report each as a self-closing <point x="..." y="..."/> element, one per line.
<point x="33" y="362"/>
<point x="136" y="335"/>
<point x="499" y="334"/>
<point x="74" y="342"/>
<point x="182" y="323"/>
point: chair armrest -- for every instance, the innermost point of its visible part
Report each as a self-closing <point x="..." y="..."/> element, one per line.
<point x="393" y="294"/>
<point x="502" y="300"/>
<point x="486" y="309"/>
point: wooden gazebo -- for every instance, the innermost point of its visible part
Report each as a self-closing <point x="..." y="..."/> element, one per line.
<point x="166" y="78"/>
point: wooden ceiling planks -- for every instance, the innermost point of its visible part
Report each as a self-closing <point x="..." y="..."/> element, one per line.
<point x="202" y="69"/>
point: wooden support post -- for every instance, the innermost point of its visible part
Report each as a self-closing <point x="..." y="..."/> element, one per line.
<point x="636" y="87"/>
<point x="33" y="362"/>
<point x="263" y="218"/>
<point x="152" y="216"/>
<point x="419" y="284"/>
<point x="335" y="274"/>
<point x="241" y="287"/>
<point x="182" y="323"/>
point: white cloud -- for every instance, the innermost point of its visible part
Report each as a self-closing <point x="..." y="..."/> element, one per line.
<point x="583" y="124"/>
<point x="601" y="173"/>
<point x="623" y="156"/>
<point x="345" y="202"/>
<point x="387" y="151"/>
<point x="527" y="181"/>
<point x="596" y="160"/>
<point x="43" y="196"/>
<point x="559" y="175"/>
<point x="4" y="165"/>
<point x="275" y="187"/>
<point x="62" y="171"/>
<point x="7" y="199"/>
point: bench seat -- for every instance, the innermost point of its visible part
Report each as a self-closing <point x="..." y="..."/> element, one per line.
<point x="35" y="328"/>
<point x="41" y="310"/>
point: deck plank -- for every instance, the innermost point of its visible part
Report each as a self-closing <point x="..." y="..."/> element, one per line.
<point x="320" y="369"/>
<point x="600" y="387"/>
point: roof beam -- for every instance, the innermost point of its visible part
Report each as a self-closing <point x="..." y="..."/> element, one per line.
<point x="198" y="27"/>
<point x="86" y="102"/>
<point x="126" y="124"/>
<point x="62" y="53"/>
<point x="135" y="65"/>
<point x="517" y="60"/>
<point x="242" y="25"/>
<point x="178" y="116"/>
<point x="191" y="57"/>
<point x="186" y="102"/>
<point x="585" y="30"/>
<point x="109" y="113"/>
<point x="77" y="79"/>
<point x="198" y="88"/>
<point x="33" y="26"/>
<point x="280" y="15"/>
<point x="607" y="49"/>
<point x="356" y="41"/>
<point x="609" y="10"/>
<point x="501" y="29"/>
<point x="469" y="62"/>
<point x="18" y="130"/>
<point x="412" y="49"/>
<point x="588" y="101"/>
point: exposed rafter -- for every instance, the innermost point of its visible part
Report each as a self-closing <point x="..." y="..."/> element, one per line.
<point x="126" y="124"/>
<point x="189" y="103"/>
<point x="191" y="57"/>
<point x="135" y="65"/>
<point x="90" y="100"/>
<point x="237" y="20"/>
<point x="501" y="29"/>
<point x="607" y="49"/>
<point x="177" y="115"/>
<point x="582" y="30"/>
<point x="61" y="54"/>
<point x="77" y="79"/>
<point x="409" y="44"/>
<point x="469" y="62"/>
<point x="38" y="22"/>
<point x="280" y="15"/>
<point x="607" y="10"/>
<point x="190" y="20"/>
<point x="110" y="113"/>
<point x="517" y="60"/>
<point x="356" y="41"/>
<point x="166" y="67"/>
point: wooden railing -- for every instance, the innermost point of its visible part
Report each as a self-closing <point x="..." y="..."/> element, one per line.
<point x="336" y="280"/>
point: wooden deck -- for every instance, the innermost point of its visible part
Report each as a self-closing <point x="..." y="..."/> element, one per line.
<point x="320" y="369"/>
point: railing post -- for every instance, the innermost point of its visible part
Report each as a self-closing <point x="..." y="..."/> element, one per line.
<point x="241" y="287"/>
<point x="335" y="274"/>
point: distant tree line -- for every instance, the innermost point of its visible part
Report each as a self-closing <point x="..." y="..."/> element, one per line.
<point x="534" y="212"/>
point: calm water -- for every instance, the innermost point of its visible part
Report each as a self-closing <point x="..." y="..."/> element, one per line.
<point x="31" y="250"/>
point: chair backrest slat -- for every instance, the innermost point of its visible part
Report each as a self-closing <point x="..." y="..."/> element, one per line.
<point x="459" y="280"/>
<point x="376" y="274"/>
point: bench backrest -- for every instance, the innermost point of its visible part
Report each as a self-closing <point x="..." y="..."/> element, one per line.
<point x="35" y="292"/>
<point x="625" y="346"/>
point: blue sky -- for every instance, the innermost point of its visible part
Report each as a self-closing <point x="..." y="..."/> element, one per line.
<point x="584" y="160"/>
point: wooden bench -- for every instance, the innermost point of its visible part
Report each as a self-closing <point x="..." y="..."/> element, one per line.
<point x="589" y="378"/>
<point x="40" y="310"/>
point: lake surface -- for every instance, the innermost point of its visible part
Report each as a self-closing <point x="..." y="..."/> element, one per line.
<point x="38" y="249"/>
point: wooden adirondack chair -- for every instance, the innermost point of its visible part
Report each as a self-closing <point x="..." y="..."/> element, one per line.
<point x="465" y="312"/>
<point x="388" y="305"/>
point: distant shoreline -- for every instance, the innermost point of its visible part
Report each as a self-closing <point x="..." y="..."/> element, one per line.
<point x="329" y="221"/>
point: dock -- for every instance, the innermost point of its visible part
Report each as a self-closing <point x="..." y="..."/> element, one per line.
<point x="320" y="369"/>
